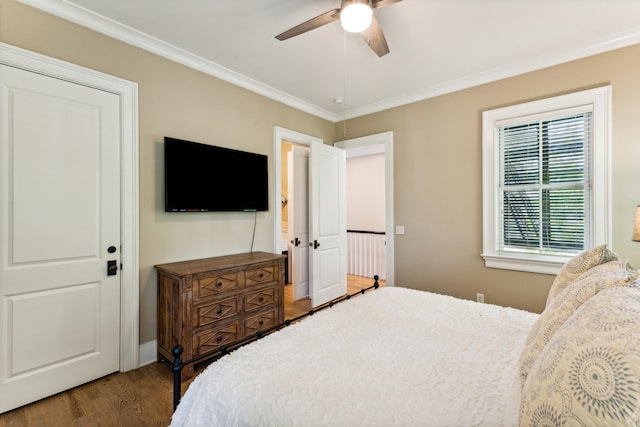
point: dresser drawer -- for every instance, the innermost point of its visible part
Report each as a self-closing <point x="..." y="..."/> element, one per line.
<point x="213" y="338"/>
<point x="258" y="322"/>
<point x="212" y="312"/>
<point x="263" y="274"/>
<point x="255" y="300"/>
<point x="214" y="284"/>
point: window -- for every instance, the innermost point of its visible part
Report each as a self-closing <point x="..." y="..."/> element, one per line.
<point x="546" y="180"/>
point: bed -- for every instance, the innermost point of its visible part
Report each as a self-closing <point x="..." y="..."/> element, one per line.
<point x="402" y="357"/>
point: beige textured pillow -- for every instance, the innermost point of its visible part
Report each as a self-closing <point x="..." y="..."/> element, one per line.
<point x="577" y="265"/>
<point x="589" y="373"/>
<point x="603" y="276"/>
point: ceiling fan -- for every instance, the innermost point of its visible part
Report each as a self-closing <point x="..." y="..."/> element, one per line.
<point x="356" y="17"/>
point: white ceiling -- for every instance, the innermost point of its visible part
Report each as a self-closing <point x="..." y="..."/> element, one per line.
<point x="437" y="46"/>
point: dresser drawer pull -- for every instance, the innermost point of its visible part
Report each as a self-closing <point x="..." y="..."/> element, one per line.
<point x="219" y="339"/>
<point x="219" y="311"/>
<point x="261" y="323"/>
<point x="219" y="284"/>
<point x="261" y="299"/>
<point x="261" y="275"/>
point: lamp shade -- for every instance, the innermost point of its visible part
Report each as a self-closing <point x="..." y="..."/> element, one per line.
<point x="636" y="226"/>
<point x="356" y="16"/>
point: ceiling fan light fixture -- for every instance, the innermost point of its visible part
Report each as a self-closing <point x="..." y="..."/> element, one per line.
<point x="356" y="16"/>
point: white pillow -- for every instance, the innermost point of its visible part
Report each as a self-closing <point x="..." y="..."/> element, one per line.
<point x="589" y="373"/>
<point x="614" y="273"/>
<point x="578" y="265"/>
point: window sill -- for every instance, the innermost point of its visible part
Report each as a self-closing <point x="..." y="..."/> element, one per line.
<point x="544" y="265"/>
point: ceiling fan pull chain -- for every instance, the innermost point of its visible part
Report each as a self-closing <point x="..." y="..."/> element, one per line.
<point x="344" y="81"/>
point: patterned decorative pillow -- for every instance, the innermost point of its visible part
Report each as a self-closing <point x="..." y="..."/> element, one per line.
<point x="603" y="276"/>
<point x="589" y="374"/>
<point x="577" y="265"/>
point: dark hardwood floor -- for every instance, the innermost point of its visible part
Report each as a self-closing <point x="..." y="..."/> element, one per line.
<point x="136" y="398"/>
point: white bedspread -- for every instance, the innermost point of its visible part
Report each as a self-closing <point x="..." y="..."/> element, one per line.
<point x="392" y="357"/>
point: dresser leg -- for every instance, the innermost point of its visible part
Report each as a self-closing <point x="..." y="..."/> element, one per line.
<point x="187" y="372"/>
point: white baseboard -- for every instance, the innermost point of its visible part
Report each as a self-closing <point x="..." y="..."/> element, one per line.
<point x="148" y="353"/>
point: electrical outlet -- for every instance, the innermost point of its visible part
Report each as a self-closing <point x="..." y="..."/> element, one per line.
<point x="480" y="297"/>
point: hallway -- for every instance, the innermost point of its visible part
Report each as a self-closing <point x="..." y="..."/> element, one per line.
<point x="296" y="308"/>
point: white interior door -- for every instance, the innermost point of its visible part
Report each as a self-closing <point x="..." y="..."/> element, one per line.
<point x="328" y="221"/>
<point x="59" y="226"/>
<point x="298" y="190"/>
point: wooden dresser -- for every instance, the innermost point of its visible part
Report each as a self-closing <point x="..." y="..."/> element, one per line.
<point x="205" y="303"/>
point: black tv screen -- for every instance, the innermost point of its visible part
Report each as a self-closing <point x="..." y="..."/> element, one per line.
<point x="201" y="178"/>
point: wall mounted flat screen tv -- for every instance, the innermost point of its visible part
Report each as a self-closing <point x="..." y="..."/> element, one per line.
<point x="202" y="178"/>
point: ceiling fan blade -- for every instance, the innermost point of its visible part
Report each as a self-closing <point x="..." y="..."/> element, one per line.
<point x="313" y="23"/>
<point x="375" y="39"/>
<point x="377" y="4"/>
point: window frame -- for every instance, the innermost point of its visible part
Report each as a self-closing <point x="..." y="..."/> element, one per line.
<point x="600" y="228"/>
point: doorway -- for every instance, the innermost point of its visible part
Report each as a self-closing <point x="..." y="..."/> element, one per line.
<point x="373" y="145"/>
<point x="366" y="236"/>
<point x="295" y="216"/>
<point x="381" y="143"/>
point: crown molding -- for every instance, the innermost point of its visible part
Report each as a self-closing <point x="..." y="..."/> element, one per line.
<point x="616" y="41"/>
<point x="86" y="18"/>
<point x="111" y="28"/>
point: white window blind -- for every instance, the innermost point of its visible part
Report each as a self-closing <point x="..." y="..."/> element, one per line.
<point x="545" y="181"/>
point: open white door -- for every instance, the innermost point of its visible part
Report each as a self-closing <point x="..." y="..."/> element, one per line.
<point x="328" y="223"/>
<point x="298" y="190"/>
<point x="59" y="229"/>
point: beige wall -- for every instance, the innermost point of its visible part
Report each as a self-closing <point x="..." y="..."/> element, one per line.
<point x="437" y="152"/>
<point x="175" y="101"/>
<point x="438" y="176"/>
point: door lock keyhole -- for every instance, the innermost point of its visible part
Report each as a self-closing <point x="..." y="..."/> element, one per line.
<point x="112" y="267"/>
